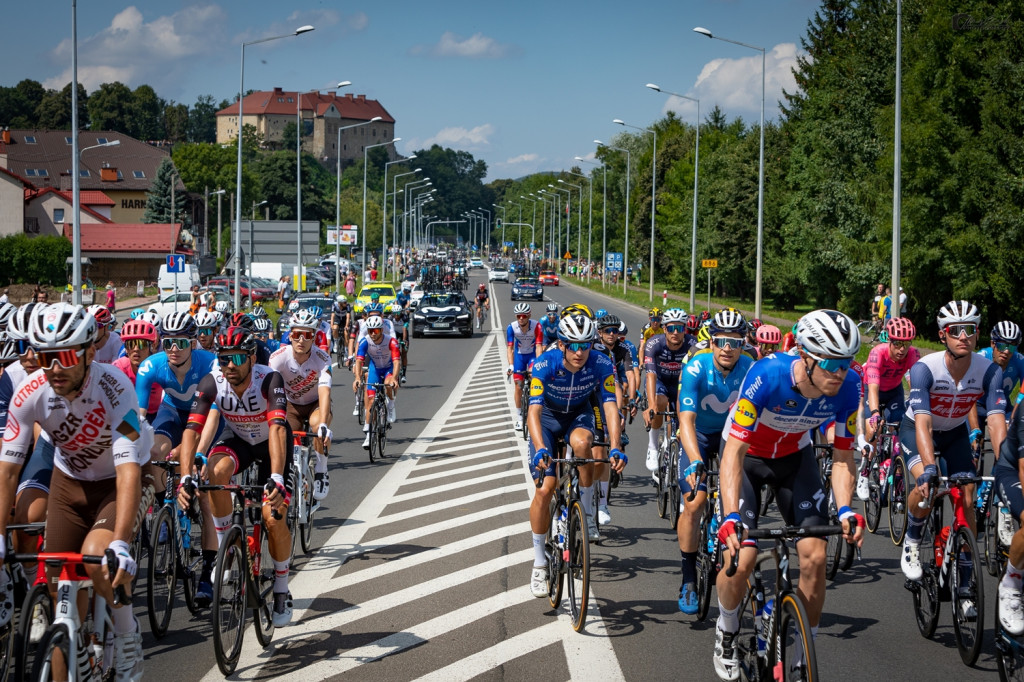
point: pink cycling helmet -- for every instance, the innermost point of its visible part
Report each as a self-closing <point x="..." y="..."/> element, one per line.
<point x="768" y="333"/>
<point x="900" y="329"/>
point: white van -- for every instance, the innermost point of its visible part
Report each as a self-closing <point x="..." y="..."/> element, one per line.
<point x="165" y="281"/>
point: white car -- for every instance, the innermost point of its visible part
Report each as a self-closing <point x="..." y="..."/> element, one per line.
<point x="497" y="274"/>
<point x="476" y="263"/>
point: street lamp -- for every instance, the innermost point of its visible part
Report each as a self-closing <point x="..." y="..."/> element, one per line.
<point x="551" y="240"/>
<point x="568" y="210"/>
<point x="625" y="254"/>
<point x="241" y="127"/>
<point x="604" y="215"/>
<point x="337" y="202"/>
<point x="760" y="173"/>
<point x="422" y="182"/>
<point x="76" y="228"/>
<point x="255" y="206"/>
<point x="206" y="201"/>
<point x="394" y="204"/>
<point x="384" y="217"/>
<point x="366" y="151"/>
<point x="502" y="209"/>
<point x="896" y="207"/>
<point x="579" y="219"/>
<point x="696" y="168"/>
<point x="654" y="178"/>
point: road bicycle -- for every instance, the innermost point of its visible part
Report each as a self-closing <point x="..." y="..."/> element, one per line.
<point x="896" y="501"/>
<point x="1009" y="651"/>
<point x="377" y="418"/>
<point x="176" y="553"/>
<point x="302" y="511"/>
<point x="951" y="568"/>
<point x="667" y="476"/>
<point x="875" y="467"/>
<point x="524" y="404"/>
<point x="774" y="640"/>
<point x="244" y="576"/>
<point x="838" y="554"/>
<point x="480" y="317"/>
<point x="709" y="550"/>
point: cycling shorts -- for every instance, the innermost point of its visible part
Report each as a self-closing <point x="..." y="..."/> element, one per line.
<point x="671" y="391"/>
<point x="953" y="446"/>
<point x="298" y="415"/>
<point x="557" y="425"/>
<point x="892" y="405"/>
<point x="797" y="484"/>
<point x="170" y="423"/>
<point x="521" y="364"/>
<point x="244" y="454"/>
<point x="1008" y="484"/>
<point x="38" y="469"/>
<point x="375" y="375"/>
<point x="706" y="442"/>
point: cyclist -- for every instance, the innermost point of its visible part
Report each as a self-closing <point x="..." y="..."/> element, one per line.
<point x="400" y="320"/>
<point x="207" y="324"/>
<point x="1005" y="340"/>
<point x="385" y="358"/>
<point x="664" y="354"/>
<point x="708" y="386"/>
<point x="108" y="342"/>
<point x="306" y="372"/>
<point x="768" y="443"/>
<point x="549" y="324"/>
<point x="99" y="490"/>
<point x="481" y="302"/>
<point x="340" y="314"/>
<point x="943" y="388"/>
<point x="262" y="329"/>
<point x="560" y="389"/>
<point x="625" y="399"/>
<point x="525" y="342"/>
<point x="752" y="328"/>
<point x="222" y="307"/>
<point x="767" y="338"/>
<point x="653" y="326"/>
<point x="251" y="399"/>
<point x="789" y="340"/>
<point x="1007" y="473"/>
<point x="634" y="354"/>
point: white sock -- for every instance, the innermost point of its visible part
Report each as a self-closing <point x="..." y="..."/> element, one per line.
<point x="321" y="463"/>
<point x="124" y="620"/>
<point x="515" y="413"/>
<point x="281" y="576"/>
<point x="604" y="493"/>
<point x="1012" y="577"/>
<point x="366" y="428"/>
<point x="587" y="498"/>
<point x="728" y="621"/>
<point x="390" y="403"/>
<point x="221" y="525"/>
<point x="540" y="560"/>
<point x="652" y="439"/>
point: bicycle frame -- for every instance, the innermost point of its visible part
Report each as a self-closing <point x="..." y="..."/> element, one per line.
<point x="240" y="494"/>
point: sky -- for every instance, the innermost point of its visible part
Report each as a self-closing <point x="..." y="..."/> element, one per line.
<point x="524" y="86"/>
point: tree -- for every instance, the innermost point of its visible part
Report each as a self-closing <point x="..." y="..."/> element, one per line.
<point x="202" y="120"/>
<point x="176" y="122"/>
<point x="18" y="104"/>
<point x="39" y="260"/>
<point x="54" y="109"/>
<point x="110" y="107"/>
<point x="145" y="119"/>
<point x="158" y="199"/>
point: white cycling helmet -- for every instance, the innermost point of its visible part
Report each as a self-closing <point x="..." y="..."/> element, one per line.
<point x="293" y="306"/>
<point x="221" y="307"/>
<point x="61" y="325"/>
<point x="375" y="322"/>
<point x="305" y="319"/>
<point x="958" y="312"/>
<point x="828" y="332"/>
<point x="1006" y="332"/>
<point x="726" y="321"/>
<point x="341" y="298"/>
<point x="17" y="326"/>
<point x="576" y="328"/>
<point x="205" y="319"/>
<point x="152" y="317"/>
<point x="8" y="349"/>
<point x="7" y="311"/>
<point x="522" y="309"/>
<point x="673" y="315"/>
<point x="179" y="324"/>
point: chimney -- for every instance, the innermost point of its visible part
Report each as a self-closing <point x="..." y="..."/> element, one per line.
<point x="278" y="91"/>
<point x="108" y="174"/>
<point x="362" y="98"/>
<point x="348" y="96"/>
<point x="5" y="136"/>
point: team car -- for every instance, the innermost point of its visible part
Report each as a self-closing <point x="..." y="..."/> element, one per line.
<point x="442" y="313"/>
<point x="527" y="288"/>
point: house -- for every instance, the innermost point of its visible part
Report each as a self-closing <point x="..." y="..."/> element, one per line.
<point x="12" y="202"/>
<point x="322" y="115"/>
<point x="48" y="209"/>
<point x="128" y="252"/>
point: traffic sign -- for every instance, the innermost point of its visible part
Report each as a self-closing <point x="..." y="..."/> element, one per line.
<point x="613" y="261"/>
<point x="175" y="263"/>
<point x="475" y="247"/>
<point x="510" y="244"/>
<point x="709" y="263"/>
<point x="567" y="255"/>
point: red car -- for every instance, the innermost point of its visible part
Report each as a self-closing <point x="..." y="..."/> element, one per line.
<point x="549" y="277"/>
<point x="249" y="291"/>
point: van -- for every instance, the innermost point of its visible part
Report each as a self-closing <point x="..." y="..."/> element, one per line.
<point x="166" y="282"/>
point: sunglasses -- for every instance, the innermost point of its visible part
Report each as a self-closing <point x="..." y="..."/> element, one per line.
<point x="238" y="359"/>
<point x="577" y="346"/>
<point x="301" y="336"/>
<point x="958" y="330"/>
<point x="377" y="330"/>
<point x="65" y="358"/>
<point x="656" y="319"/>
<point x="522" y="317"/>
<point x="675" y="328"/>
<point x="1003" y="347"/>
<point x="205" y="331"/>
<point x="176" y="344"/>
<point x="23" y="346"/>
<point x="727" y="342"/>
<point x="898" y="345"/>
<point x="136" y="344"/>
<point x="832" y="365"/>
<point x="769" y="347"/>
<point x="610" y="330"/>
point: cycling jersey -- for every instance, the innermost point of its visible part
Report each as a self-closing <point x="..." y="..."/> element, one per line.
<point x="111" y="349"/>
<point x="382" y="355"/>
<point x="524" y="341"/>
<point x="361" y="335"/>
<point x="156" y="394"/>
<point x="402" y="299"/>
<point x="481" y="297"/>
<point x="619" y="357"/>
<point x="634" y="354"/>
<point x="157" y="370"/>
<point x="12" y="377"/>
<point x="91" y="432"/>
<point x="647" y="332"/>
<point x="250" y="415"/>
<point x="1012" y="377"/>
<point x="1006" y="469"/>
<point x="881" y="369"/>
<point x="704" y="347"/>
<point x="666" y="363"/>
<point x="549" y="329"/>
<point x="933" y="390"/>
<point x="302" y="381"/>
<point x="775" y="420"/>
<point x="560" y="391"/>
<point x="705" y="391"/>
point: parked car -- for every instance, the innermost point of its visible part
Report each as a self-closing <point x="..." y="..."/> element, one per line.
<point x="249" y="289"/>
<point x="497" y="274"/>
<point x="442" y="313"/>
<point x="527" y="288"/>
<point x="306" y="300"/>
<point x="549" y="277"/>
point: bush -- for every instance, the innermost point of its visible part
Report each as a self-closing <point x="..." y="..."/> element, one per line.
<point x="41" y="260"/>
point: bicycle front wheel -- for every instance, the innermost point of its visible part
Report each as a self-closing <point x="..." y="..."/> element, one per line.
<point x="229" y="600"/>
<point x="663" y="464"/>
<point x="554" y="554"/>
<point x="306" y="525"/>
<point x="263" y="593"/>
<point x="897" y="501"/>
<point x="162" y="578"/>
<point x="705" y="563"/>
<point x="54" y="654"/>
<point x="579" y="565"/>
<point x="926" y="592"/>
<point x="672" y="482"/>
<point x="796" y="655"/>
<point x="968" y="591"/>
<point x="382" y="429"/>
<point x="374" y="443"/>
<point x="873" y="505"/>
<point x="34" y="620"/>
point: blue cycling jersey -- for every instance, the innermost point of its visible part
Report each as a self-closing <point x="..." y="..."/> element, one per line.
<point x="633" y="352"/>
<point x="550" y="330"/>
<point x="402" y="299"/>
<point x="703" y="390"/>
<point x="156" y="370"/>
<point x="561" y="391"/>
<point x="1012" y="377"/>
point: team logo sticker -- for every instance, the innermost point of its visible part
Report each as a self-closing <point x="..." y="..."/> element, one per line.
<point x="851" y="424"/>
<point x="609" y="384"/>
<point x="746" y="413"/>
<point x="536" y="387"/>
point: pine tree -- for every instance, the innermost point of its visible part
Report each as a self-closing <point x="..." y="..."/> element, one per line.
<point x="158" y="199"/>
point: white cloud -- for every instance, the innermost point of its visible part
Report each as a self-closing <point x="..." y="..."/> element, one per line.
<point x="735" y="85"/>
<point x="465" y="139"/>
<point x="477" y="46"/>
<point x="522" y="158"/>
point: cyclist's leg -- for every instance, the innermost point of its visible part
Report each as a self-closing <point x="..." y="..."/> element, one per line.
<point x="581" y="432"/>
<point x="279" y="539"/>
<point x="1011" y="611"/>
<point x="756" y="473"/>
<point x="690" y="510"/>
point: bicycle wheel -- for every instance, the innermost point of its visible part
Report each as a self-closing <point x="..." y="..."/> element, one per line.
<point x="361" y="406"/>
<point x="926" y="592"/>
<point x="34" y="620"/>
<point x="162" y="576"/>
<point x="524" y="402"/>
<point x="796" y="654"/>
<point x="1009" y="652"/>
<point x="873" y="505"/>
<point x="192" y="536"/>
<point x="834" y="543"/>
<point x="579" y="565"/>
<point x="767" y="497"/>
<point x="306" y="529"/>
<point x="382" y="429"/>
<point x="374" y="443"/>
<point x="291" y="515"/>
<point x="662" y="484"/>
<point x="968" y="593"/>
<point x="705" y="564"/>
<point x="554" y="553"/>
<point x="672" y="481"/>
<point x="263" y="593"/>
<point x="229" y="600"/>
<point x="57" y="639"/>
<point x="7" y="637"/>
<point x="897" y="502"/>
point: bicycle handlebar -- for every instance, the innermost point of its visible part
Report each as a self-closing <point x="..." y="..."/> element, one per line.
<point x="781" y="534"/>
<point x="121" y="596"/>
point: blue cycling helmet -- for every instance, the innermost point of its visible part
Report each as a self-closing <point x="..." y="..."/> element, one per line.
<point x="599" y="313"/>
<point x="135" y="314"/>
<point x="316" y="310"/>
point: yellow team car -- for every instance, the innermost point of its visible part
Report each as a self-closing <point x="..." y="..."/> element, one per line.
<point x="386" y="294"/>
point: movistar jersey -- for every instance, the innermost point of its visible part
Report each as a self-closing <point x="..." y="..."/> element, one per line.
<point x="1012" y="377"/>
<point x="157" y="370"/>
<point x="703" y="390"/>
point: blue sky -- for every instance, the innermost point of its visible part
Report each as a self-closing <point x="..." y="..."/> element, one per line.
<point x="524" y="86"/>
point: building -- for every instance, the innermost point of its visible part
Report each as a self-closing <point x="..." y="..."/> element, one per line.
<point x="126" y="253"/>
<point x="322" y="115"/>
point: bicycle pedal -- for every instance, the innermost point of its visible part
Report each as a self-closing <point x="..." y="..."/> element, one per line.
<point x="912" y="585"/>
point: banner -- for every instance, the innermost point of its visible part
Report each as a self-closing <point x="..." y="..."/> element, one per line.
<point x="349" y="235"/>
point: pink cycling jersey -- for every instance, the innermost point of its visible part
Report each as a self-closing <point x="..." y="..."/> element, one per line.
<point x="881" y="369"/>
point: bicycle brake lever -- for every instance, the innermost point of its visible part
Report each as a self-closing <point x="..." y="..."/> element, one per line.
<point x="121" y="596"/>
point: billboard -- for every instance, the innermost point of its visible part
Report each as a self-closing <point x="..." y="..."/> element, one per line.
<point x="349" y="235"/>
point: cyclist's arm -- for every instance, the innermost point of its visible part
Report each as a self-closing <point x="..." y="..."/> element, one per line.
<point x="995" y="401"/>
<point x="199" y="414"/>
<point x="688" y="435"/>
<point x="277" y="407"/>
<point x="324" y="396"/>
<point x="730" y="470"/>
<point x="124" y="450"/>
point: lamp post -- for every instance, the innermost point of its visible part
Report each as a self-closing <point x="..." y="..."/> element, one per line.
<point x="760" y="173"/>
<point x="488" y="224"/>
<point x="696" y="170"/>
<point x="502" y="209"/>
<point x="76" y="228"/>
<point x="625" y="253"/>
<point x="406" y="202"/>
<point x="366" y="151"/>
<point x="604" y="215"/>
<point x="590" y="221"/>
<point x="255" y="206"/>
<point x="568" y="225"/>
<point x="384" y="219"/>
<point x="220" y="224"/>
<point x="896" y="208"/>
<point x="337" y="203"/>
<point x="394" y="204"/>
<point x="241" y="128"/>
<point x="519" y="240"/>
<point x="654" y="179"/>
<point x="579" y="221"/>
<point x="552" y="240"/>
<point x="206" y="218"/>
<point x="411" y="197"/>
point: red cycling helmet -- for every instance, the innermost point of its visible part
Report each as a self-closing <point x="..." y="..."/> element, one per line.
<point x="705" y="316"/>
<point x="768" y="333"/>
<point x="756" y="323"/>
<point x="138" y="329"/>
<point x="102" y="315"/>
<point x="900" y="329"/>
<point x="236" y="338"/>
<point x="692" y="323"/>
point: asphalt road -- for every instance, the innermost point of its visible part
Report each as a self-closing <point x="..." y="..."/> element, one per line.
<point x="425" y="565"/>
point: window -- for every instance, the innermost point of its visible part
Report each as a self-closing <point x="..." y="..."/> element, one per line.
<point x="67" y="139"/>
<point x="101" y="140"/>
<point x="375" y="132"/>
<point x="280" y="99"/>
<point x="30" y="172"/>
<point x="291" y="100"/>
<point x="37" y="173"/>
<point x="58" y="215"/>
<point x="120" y="175"/>
<point x="30" y="139"/>
<point x="138" y="175"/>
<point x="83" y="173"/>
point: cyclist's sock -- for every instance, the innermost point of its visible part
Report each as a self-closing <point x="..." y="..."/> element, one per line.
<point x="321" y="463"/>
<point x="652" y="439"/>
<point x="914" y="526"/>
<point x="124" y="621"/>
<point x="1012" y="577"/>
<point x="604" y="492"/>
<point x="209" y="559"/>
<point x="688" y="564"/>
<point x="966" y="568"/>
<point x="539" y="558"/>
<point x="728" y="620"/>
<point x="221" y="525"/>
<point x="366" y="427"/>
<point x="281" y="576"/>
<point x="587" y="498"/>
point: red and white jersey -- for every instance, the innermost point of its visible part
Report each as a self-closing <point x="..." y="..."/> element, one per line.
<point x="524" y="341"/>
<point x="933" y="390"/>
<point x="249" y="415"/>
<point x="389" y="330"/>
<point x="383" y="354"/>
<point x="93" y="433"/>
<point x="111" y="349"/>
<point x="302" y="381"/>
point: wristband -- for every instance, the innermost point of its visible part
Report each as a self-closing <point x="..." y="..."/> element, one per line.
<point x="278" y="479"/>
<point x="691" y="470"/>
<point x="185" y="480"/>
<point x="875" y="411"/>
<point x="845" y="513"/>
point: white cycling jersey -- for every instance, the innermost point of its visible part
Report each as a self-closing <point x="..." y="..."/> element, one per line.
<point x="933" y="390"/>
<point x="111" y="349"/>
<point x="248" y="415"/>
<point x="302" y="381"/>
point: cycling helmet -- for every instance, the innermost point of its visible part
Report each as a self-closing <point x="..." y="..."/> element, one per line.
<point x="1006" y="332"/>
<point x="7" y="311"/>
<point x="179" y="324"/>
<point x="901" y="329"/>
<point x="522" y="309"/>
<point x="235" y="338"/>
<point x="703" y="334"/>
<point x="957" y="312"/>
<point x="341" y="299"/>
<point x="883" y="336"/>
<point x="151" y="317"/>
<point x="726" y="321"/>
<point x="221" y="307"/>
<point x="704" y="315"/>
<point x="577" y="309"/>
<point x="261" y="325"/>
<point x="8" y="349"/>
<point x="552" y="307"/>
<point x="654" y="312"/>
<point x="206" y="319"/>
<point x="599" y="313"/>
<point x="17" y="326"/>
<point x="258" y="312"/>
<point x="482" y="287"/>
<point x="623" y="329"/>
<point x="576" y="328"/>
<point x="606" y="321"/>
<point x="374" y="296"/>
<point x="293" y="306"/>
<point x="136" y="313"/>
<point x="138" y="329"/>
<point x="101" y="313"/>
<point x="375" y="309"/>
<point x="674" y="315"/>
<point x="61" y="325"/>
<point x="375" y="323"/>
<point x="316" y="310"/>
<point x="305" y="319"/>
<point x="756" y="323"/>
<point x="769" y="333"/>
<point x="241" y="320"/>
<point x="692" y="323"/>
<point x="395" y="309"/>
<point x="828" y="332"/>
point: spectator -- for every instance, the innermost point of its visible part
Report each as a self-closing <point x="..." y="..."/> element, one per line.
<point x="41" y="296"/>
<point x="282" y="285"/>
<point x="885" y="308"/>
<point x="903" y="303"/>
<point x="111" y="297"/>
<point x="4" y="298"/>
<point x="350" y="283"/>
<point x="877" y="301"/>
